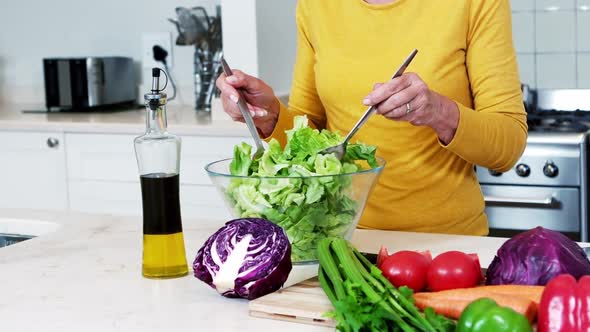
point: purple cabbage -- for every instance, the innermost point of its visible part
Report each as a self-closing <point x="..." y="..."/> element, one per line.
<point x="248" y="258"/>
<point x="535" y="257"/>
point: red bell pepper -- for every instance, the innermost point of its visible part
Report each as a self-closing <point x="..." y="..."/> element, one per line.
<point x="565" y="305"/>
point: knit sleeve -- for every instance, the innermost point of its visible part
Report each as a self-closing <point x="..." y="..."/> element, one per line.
<point x="494" y="133"/>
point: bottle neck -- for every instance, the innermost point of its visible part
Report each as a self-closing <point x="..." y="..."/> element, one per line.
<point x="156" y="120"/>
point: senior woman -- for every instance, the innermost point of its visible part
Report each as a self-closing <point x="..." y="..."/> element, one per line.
<point x="459" y="104"/>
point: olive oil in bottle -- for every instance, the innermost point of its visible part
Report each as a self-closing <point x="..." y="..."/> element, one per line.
<point x="158" y="159"/>
<point x="163" y="242"/>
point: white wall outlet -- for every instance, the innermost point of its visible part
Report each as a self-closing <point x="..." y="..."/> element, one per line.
<point x="148" y="41"/>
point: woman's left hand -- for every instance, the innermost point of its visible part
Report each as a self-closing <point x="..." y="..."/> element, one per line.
<point x="408" y="98"/>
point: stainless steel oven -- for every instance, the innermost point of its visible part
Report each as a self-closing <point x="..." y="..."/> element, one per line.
<point x="549" y="184"/>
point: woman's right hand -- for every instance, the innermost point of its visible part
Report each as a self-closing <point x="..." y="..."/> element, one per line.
<point x="260" y="98"/>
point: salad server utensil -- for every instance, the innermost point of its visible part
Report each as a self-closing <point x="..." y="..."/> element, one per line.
<point x="246" y="114"/>
<point x="340" y="149"/>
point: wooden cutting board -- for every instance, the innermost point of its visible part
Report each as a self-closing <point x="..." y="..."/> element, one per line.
<point x="304" y="302"/>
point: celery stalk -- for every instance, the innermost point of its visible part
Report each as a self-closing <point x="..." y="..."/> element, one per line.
<point x="347" y="260"/>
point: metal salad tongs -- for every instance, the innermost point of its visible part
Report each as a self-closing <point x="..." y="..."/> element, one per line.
<point x="246" y="114"/>
<point x="340" y="150"/>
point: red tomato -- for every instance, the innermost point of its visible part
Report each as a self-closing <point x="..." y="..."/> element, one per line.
<point x="383" y="254"/>
<point x="454" y="269"/>
<point x="476" y="262"/>
<point x="407" y="268"/>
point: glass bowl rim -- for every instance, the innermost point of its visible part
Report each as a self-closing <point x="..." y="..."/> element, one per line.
<point x="377" y="169"/>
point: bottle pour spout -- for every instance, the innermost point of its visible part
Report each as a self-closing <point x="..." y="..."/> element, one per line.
<point x="155" y="80"/>
<point x="156" y="97"/>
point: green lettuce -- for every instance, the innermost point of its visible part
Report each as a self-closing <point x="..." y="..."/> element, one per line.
<point x="299" y="189"/>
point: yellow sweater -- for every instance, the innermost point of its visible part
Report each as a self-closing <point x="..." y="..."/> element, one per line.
<point x="465" y="53"/>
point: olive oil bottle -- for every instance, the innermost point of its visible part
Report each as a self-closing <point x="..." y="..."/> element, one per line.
<point x="158" y="160"/>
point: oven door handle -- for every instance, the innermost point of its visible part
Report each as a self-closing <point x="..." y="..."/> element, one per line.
<point x="539" y="202"/>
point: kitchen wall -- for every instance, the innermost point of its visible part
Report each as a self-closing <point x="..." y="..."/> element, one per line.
<point x="262" y="42"/>
<point x="31" y="30"/>
<point x="552" y="40"/>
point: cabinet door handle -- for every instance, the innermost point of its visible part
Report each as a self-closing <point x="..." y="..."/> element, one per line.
<point x="52" y="142"/>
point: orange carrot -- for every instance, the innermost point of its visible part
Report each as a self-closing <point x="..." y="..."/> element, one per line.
<point x="448" y="308"/>
<point x="532" y="293"/>
<point x="451" y="303"/>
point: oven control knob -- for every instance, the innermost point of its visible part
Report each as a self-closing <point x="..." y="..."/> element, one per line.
<point x="550" y="169"/>
<point x="494" y="173"/>
<point x="523" y="170"/>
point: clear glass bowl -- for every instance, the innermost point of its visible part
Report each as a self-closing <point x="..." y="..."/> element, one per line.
<point x="308" y="208"/>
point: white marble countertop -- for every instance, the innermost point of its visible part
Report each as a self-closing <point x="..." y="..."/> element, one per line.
<point x="86" y="276"/>
<point x="182" y="120"/>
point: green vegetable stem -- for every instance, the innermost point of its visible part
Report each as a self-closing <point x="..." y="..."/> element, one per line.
<point x="363" y="299"/>
<point x="306" y="193"/>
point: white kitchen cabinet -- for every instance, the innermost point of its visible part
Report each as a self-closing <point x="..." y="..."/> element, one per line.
<point x="124" y="198"/>
<point x="97" y="173"/>
<point x="102" y="174"/>
<point x="101" y="157"/>
<point x="33" y="170"/>
<point x="110" y="197"/>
